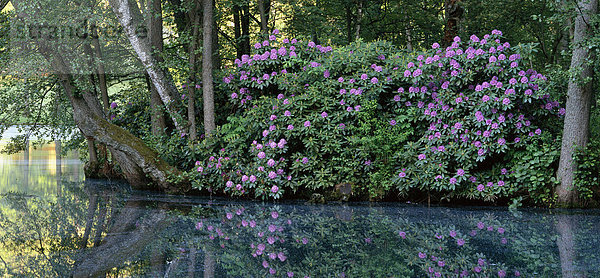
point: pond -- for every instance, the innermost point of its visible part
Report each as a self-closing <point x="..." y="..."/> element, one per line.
<point x="53" y="223"/>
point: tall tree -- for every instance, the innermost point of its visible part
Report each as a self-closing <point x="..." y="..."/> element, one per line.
<point x="237" y="31"/>
<point x="579" y="98"/>
<point x="100" y="72"/>
<point x="245" y="17"/>
<point x="359" y="17"/>
<point x="155" y="36"/>
<point x="263" y="9"/>
<point x="191" y="86"/>
<point x="207" y="68"/>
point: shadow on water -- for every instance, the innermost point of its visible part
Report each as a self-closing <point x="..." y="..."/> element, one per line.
<point x="98" y="228"/>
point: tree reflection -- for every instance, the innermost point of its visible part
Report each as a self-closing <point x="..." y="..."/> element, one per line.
<point x="103" y="229"/>
<point x="86" y="232"/>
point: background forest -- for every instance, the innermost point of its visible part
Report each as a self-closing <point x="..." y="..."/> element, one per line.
<point x="447" y="100"/>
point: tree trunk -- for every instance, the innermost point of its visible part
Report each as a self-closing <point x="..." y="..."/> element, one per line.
<point x="207" y="78"/>
<point x="237" y="32"/>
<point x="157" y="117"/>
<point x="128" y="16"/>
<point x="579" y="98"/>
<point x="191" y="86"/>
<point x="92" y="151"/>
<point x="566" y="31"/>
<point x="100" y="72"/>
<point x="155" y="36"/>
<point x="264" y="29"/>
<point x="349" y="23"/>
<point x="409" y="46"/>
<point x="245" y="29"/>
<point x="141" y="166"/>
<point x="216" y="49"/>
<point x="359" y="16"/>
<point x="453" y="11"/>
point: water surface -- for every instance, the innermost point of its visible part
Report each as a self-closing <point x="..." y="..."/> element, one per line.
<point x="55" y="224"/>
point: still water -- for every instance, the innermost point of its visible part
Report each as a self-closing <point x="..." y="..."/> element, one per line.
<point x="55" y="224"/>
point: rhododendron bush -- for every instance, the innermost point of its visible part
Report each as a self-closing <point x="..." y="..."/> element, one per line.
<point x="444" y="120"/>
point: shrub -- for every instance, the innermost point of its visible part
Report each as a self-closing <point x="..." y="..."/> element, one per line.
<point x="475" y="102"/>
<point x="442" y="120"/>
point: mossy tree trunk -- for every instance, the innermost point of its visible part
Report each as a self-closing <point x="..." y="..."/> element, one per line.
<point x="141" y="166"/>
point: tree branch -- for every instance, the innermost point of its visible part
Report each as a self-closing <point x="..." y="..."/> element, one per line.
<point x="3" y="4"/>
<point x="229" y="38"/>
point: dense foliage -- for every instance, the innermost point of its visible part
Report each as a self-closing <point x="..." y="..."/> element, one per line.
<point x="456" y="121"/>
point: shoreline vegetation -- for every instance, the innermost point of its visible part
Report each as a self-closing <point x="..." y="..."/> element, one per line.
<point x="448" y="110"/>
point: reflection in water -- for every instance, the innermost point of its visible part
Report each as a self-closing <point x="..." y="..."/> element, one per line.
<point x="566" y="245"/>
<point x="58" y="166"/>
<point x="98" y="228"/>
<point x="26" y="166"/>
<point x="38" y="171"/>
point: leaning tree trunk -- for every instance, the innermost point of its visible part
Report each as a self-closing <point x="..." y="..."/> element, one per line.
<point x="129" y="17"/>
<point x="207" y="76"/>
<point x="579" y="98"/>
<point x="141" y="166"/>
